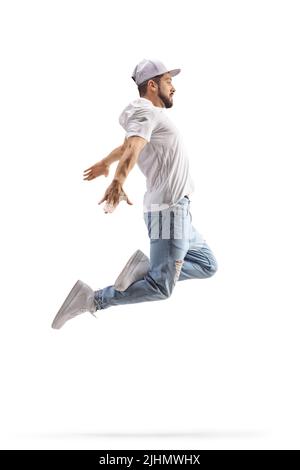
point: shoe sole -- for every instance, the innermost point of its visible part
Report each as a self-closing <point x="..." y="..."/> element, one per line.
<point x="73" y="292"/>
<point x="137" y="257"/>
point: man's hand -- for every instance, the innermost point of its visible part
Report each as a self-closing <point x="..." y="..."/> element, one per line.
<point x="100" y="168"/>
<point x="113" y="195"/>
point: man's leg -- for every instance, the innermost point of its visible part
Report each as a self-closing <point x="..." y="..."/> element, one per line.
<point x="157" y="284"/>
<point x="199" y="261"/>
<point x="167" y="252"/>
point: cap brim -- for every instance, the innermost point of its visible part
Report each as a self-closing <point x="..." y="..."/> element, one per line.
<point x="174" y="72"/>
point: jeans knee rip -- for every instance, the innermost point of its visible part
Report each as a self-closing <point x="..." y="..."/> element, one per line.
<point x="178" y="266"/>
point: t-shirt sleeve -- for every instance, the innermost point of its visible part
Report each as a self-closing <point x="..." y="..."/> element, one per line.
<point x="140" y="123"/>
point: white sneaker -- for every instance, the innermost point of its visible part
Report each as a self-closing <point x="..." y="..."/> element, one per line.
<point x="134" y="270"/>
<point x="80" y="299"/>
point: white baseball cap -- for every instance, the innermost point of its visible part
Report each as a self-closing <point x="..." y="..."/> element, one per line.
<point x="150" y="68"/>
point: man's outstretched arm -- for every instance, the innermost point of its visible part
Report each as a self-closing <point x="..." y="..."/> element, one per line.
<point x="102" y="167"/>
<point x="130" y="156"/>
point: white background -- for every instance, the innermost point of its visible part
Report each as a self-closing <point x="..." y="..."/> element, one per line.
<point x="216" y="366"/>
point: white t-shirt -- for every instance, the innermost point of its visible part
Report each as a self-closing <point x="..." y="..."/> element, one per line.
<point x="163" y="160"/>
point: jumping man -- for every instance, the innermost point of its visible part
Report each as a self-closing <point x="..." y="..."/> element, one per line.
<point x="177" y="250"/>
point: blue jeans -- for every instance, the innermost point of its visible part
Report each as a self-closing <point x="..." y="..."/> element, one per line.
<point x="177" y="252"/>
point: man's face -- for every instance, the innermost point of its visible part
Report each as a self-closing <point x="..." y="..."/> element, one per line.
<point x="166" y="90"/>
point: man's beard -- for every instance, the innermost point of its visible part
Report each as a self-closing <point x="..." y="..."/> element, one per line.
<point x="166" y="100"/>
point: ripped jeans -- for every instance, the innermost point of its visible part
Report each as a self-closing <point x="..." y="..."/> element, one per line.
<point x="177" y="252"/>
